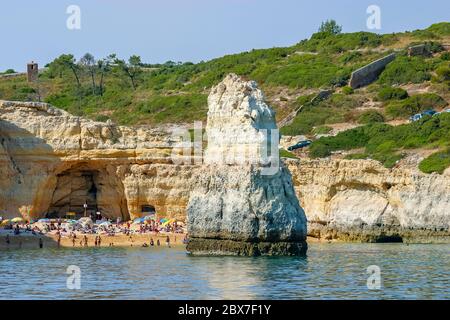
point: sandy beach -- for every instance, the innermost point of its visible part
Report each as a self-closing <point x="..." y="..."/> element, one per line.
<point x="29" y="241"/>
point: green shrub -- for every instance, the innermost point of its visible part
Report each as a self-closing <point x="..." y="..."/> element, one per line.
<point x="330" y="27"/>
<point x="324" y="42"/>
<point x="322" y="130"/>
<point x="337" y="108"/>
<point x="443" y="73"/>
<point x="307" y="120"/>
<point x="405" y="70"/>
<point x="387" y="159"/>
<point x="319" y="151"/>
<point x="308" y="71"/>
<point x="445" y="56"/>
<point x="101" y="118"/>
<point x="287" y="154"/>
<point x="437" y="162"/>
<point x="414" y="142"/>
<point x="441" y="28"/>
<point x="9" y="71"/>
<point x="302" y="100"/>
<point x="386" y="146"/>
<point x="27" y="90"/>
<point x="390" y="93"/>
<point x="370" y="116"/>
<point x="176" y="108"/>
<point x="347" y="90"/>
<point x="414" y="104"/>
<point x="61" y="100"/>
<point x="350" y="57"/>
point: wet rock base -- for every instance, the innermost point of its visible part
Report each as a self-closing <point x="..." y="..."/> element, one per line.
<point x="379" y="234"/>
<point x="216" y="247"/>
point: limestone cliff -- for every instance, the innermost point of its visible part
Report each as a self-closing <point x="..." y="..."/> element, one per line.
<point x="236" y="207"/>
<point x="360" y="200"/>
<point x="42" y="148"/>
<point x="53" y="162"/>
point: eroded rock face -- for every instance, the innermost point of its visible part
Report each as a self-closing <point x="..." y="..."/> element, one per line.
<point x="239" y="123"/>
<point x="46" y="155"/>
<point x="360" y="200"/>
<point x="356" y="200"/>
<point x="235" y="206"/>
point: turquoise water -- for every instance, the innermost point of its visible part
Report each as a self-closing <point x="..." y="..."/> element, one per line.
<point x="330" y="271"/>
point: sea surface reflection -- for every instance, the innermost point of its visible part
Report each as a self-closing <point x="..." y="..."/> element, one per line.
<point x="330" y="271"/>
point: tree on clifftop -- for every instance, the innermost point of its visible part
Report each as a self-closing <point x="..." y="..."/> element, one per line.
<point x="330" y="27"/>
<point x="89" y="64"/>
<point x="104" y="66"/>
<point x="66" y="62"/>
<point x="132" y="68"/>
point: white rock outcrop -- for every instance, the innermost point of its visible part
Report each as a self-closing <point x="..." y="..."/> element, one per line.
<point x="243" y="202"/>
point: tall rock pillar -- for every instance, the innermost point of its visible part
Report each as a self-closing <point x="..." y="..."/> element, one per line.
<point x="243" y="201"/>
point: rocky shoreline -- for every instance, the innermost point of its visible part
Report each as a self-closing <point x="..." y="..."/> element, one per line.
<point x="219" y="247"/>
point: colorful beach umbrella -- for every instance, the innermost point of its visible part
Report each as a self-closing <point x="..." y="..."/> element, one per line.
<point x="17" y="219"/>
<point x="139" y="220"/>
<point x="168" y="222"/>
<point x="4" y="222"/>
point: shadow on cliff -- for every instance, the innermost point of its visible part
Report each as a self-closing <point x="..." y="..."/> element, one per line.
<point x="33" y="173"/>
<point x="21" y="148"/>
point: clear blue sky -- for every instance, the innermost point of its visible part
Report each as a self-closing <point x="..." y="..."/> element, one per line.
<point x="187" y="30"/>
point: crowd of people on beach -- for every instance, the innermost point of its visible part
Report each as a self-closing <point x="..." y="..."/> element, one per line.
<point x="78" y="230"/>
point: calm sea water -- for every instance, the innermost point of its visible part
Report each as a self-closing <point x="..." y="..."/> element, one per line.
<point x="330" y="271"/>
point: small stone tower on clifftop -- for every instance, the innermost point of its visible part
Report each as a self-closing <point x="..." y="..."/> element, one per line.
<point x="32" y="71"/>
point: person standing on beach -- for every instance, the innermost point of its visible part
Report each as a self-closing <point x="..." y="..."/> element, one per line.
<point x="151" y="242"/>
<point x="59" y="240"/>
<point x="8" y="241"/>
<point x="95" y="242"/>
<point x="168" y="241"/>
<point x="158" y="243"/>
<point x="73" y="241"/>
<point x="41" y="243"/>
<point x="85" y="241"/>
<point x="99" y="241"/>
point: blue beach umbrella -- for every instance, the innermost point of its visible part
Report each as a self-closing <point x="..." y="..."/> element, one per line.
<point x="139" y="220"/>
